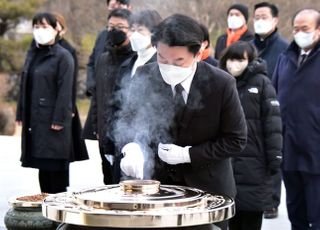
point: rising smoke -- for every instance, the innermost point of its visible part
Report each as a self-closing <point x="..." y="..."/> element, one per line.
<point x="144" y="116"/>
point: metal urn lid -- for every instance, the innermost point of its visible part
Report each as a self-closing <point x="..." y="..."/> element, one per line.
<point x="138" y="204"/>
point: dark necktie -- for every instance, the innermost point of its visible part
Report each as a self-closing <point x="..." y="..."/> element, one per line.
<point x="178" y="104"/>
<point x="178" y="98"/>
<point x="302" y="59"/>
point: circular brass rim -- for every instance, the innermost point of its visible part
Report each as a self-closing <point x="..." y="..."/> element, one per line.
<point x="18" y="204"/>
<point x="62" y="207"/>
<point x="140" y="186"/>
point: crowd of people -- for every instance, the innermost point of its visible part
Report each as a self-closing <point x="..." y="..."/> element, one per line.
<point x="234" y="120"/>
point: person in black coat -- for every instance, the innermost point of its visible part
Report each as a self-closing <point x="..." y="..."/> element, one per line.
<point x="100" y="43"/>
<point x="270" y="45"/>
<point x="98" y="49"/>
<point x="262" y="156"/>
<point x="141" y="27"/>
<point x="45" y="106"/>
<point x="238" y="15"/>
<point x="118" y="49"/>
<point x="296" y="80"/>
<point x="267" y="40"/>
<point x="78" y="143"/>
<point x="183" y="119"/>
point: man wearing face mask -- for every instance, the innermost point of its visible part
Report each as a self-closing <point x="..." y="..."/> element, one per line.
<point x="296" y="79"/>
<point x="98" y="49"/>
<point x="118" y="49"/>
<point x="187" y="112"/>
<point x="238" y="15"/>
<point x="267" y="40"/>
<point x="270" y="45"/>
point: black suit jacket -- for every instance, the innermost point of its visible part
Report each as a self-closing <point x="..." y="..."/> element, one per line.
<point x="212" y="123"/>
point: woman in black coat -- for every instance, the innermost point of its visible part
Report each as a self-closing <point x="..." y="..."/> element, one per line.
<point x="45" y="106"/>
<point x="78" y="143"/>
<point x="262" y="156"/>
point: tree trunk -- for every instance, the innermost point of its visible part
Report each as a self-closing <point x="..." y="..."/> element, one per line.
<point x="3" y="27"/>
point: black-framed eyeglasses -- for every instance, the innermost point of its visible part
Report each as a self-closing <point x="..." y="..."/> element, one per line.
<point x="117" y="27"/>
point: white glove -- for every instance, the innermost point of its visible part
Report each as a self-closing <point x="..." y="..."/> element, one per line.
<point x="174" y="154"/>
<point x="132" y="162"/>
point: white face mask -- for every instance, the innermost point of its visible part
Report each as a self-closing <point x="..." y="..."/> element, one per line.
<point x="139" y="42"/>
<point x="236" y="67"/>
<point x="174" y="75"/>
<point x="43" y="36"/>
<point x="262" y="26"/>
<point x="303" y="39"/>
<point x="235" y="22"/>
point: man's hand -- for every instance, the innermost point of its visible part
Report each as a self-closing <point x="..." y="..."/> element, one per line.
<point x="132" y="162"/>
<point x="174" y="154"/>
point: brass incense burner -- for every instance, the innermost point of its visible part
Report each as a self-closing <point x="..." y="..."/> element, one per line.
<point x="138" y="204"/>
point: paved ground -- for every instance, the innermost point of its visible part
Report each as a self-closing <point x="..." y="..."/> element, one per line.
<point x="15" y="180"/>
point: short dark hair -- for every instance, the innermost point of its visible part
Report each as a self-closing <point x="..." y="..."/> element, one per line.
<point x="206" y="36"/>
<point x="237" y="51"/>
<point x="147" y="18"/>
<point x="124" y="2"/>
<point x="50" y="18"/>
<point x="311" y="9"/>
<point x="273" y="8"/>
<point x="120" y="13"/>
<point x="179" y="30"/>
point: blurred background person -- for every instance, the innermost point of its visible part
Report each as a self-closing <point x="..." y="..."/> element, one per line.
<point x="262" y="156"/>
<point x="206" y="49"/>
<point x="118" y="49"/>
<point x="237" y="19"/>
<point x="296" y="79"/>
<point x="45" y="106"/>
<point x="141" y="26"/>
<point x="270" y="45"/>
<point x="78" y="143"/>
<point x="118" y="4"/>
<point x="98" y="49"/>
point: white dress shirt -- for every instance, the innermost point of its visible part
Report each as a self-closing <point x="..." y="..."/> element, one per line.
<point x="143" y="57"/>
<point x="186" y="84"/>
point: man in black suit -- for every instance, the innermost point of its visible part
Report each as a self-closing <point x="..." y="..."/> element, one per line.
<point x="187" y="112"/>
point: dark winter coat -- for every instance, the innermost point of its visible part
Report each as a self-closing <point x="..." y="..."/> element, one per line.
<point x="212" y="61"/>
<point x="222" y="43"/>
<point x="106" y="73"/>
<point x="212" y="123"/>
<point x="51" y="104"/>
<point x="270" y="48"/>
<point x="98" y="49"/>
<point x="298" y="94"/>
<point x="262" y="155"/>
<point x="112" y="102"/>
<point x="126" y="67"/>
<point x="78" y="143"/>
